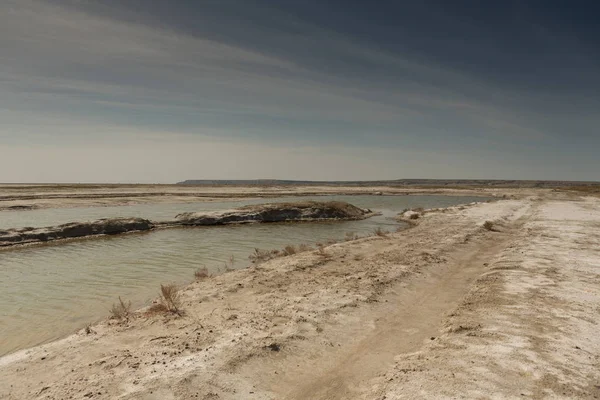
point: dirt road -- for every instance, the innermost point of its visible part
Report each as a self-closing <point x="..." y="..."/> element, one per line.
<point x="447" y="309"/>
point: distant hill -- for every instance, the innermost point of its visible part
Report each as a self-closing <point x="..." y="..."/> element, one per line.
<point x="397" y="182"/>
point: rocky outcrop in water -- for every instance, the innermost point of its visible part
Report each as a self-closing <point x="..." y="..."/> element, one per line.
<point x="278" y="212"/>
<point x="112" y="226"/>
<point x="275" y="212"/>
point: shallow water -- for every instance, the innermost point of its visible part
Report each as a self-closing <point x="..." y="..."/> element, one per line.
<point x="50" y="291"/>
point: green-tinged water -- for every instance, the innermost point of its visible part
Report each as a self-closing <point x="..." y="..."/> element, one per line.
<point x="50" y="291"/>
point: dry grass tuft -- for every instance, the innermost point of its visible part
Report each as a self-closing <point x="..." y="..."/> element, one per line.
<point x="321" y="252"/>
<point x="158" y="308"/>
<point x="120" y="310"/>
<point x="89" y="330"/>
<point x="304" y="247"/>
<point x="289" y="250"/>
<point x="380" y="232"/>
<point x="259" y="255"/>
<point x="201" y="274"/>
<point x="489" y="225"/>
<point x="351" y="236"/>
<point x="170" y="298"/>
<point x="229" y="265"/>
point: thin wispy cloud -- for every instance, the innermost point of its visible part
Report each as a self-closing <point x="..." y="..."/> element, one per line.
<point x="273" y="77"/>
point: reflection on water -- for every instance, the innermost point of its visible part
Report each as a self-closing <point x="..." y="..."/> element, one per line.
<point x="49" y="291"/>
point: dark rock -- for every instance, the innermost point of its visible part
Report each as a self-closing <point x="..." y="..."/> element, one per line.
<point x="274" y="347"/>
<point x="20" y="207"/>
<point x="74" y="230"/>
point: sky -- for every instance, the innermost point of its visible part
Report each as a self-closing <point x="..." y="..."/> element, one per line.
<point x="138" y="91"/>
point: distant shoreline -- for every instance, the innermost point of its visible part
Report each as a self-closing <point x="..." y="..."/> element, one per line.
<point x="31" y="197"/>
<point x="506" y="183"/>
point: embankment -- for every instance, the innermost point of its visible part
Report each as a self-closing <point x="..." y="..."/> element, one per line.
<point x="308" y="211"/>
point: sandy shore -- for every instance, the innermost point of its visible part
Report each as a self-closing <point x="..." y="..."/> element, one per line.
<point x="18" y="197"/>
<point x="447" y="309"/>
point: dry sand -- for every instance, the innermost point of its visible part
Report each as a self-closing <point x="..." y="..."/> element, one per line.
<point x="446" y="309"/>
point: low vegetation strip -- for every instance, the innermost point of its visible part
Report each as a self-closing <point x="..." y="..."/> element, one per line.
<point x="278" y="212"/>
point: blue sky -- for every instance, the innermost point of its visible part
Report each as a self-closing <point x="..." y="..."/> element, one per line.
<point x="138" y="91"/>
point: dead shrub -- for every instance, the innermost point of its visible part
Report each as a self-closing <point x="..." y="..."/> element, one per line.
<point x="120" y="310"/>
<point x="170" y="298"/>
<point x="414" y="216"/>
<point x="489" y="225"/>
<point x="201" y="273"/>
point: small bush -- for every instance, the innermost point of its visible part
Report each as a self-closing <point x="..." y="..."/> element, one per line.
<point x="489" y="225"/>
<point x="414" y="216"/>
<point x="380" y="232"/>
<point x="201" y="273"/>
<point x="120" y="310"/>
<point x="170" y="298"/>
